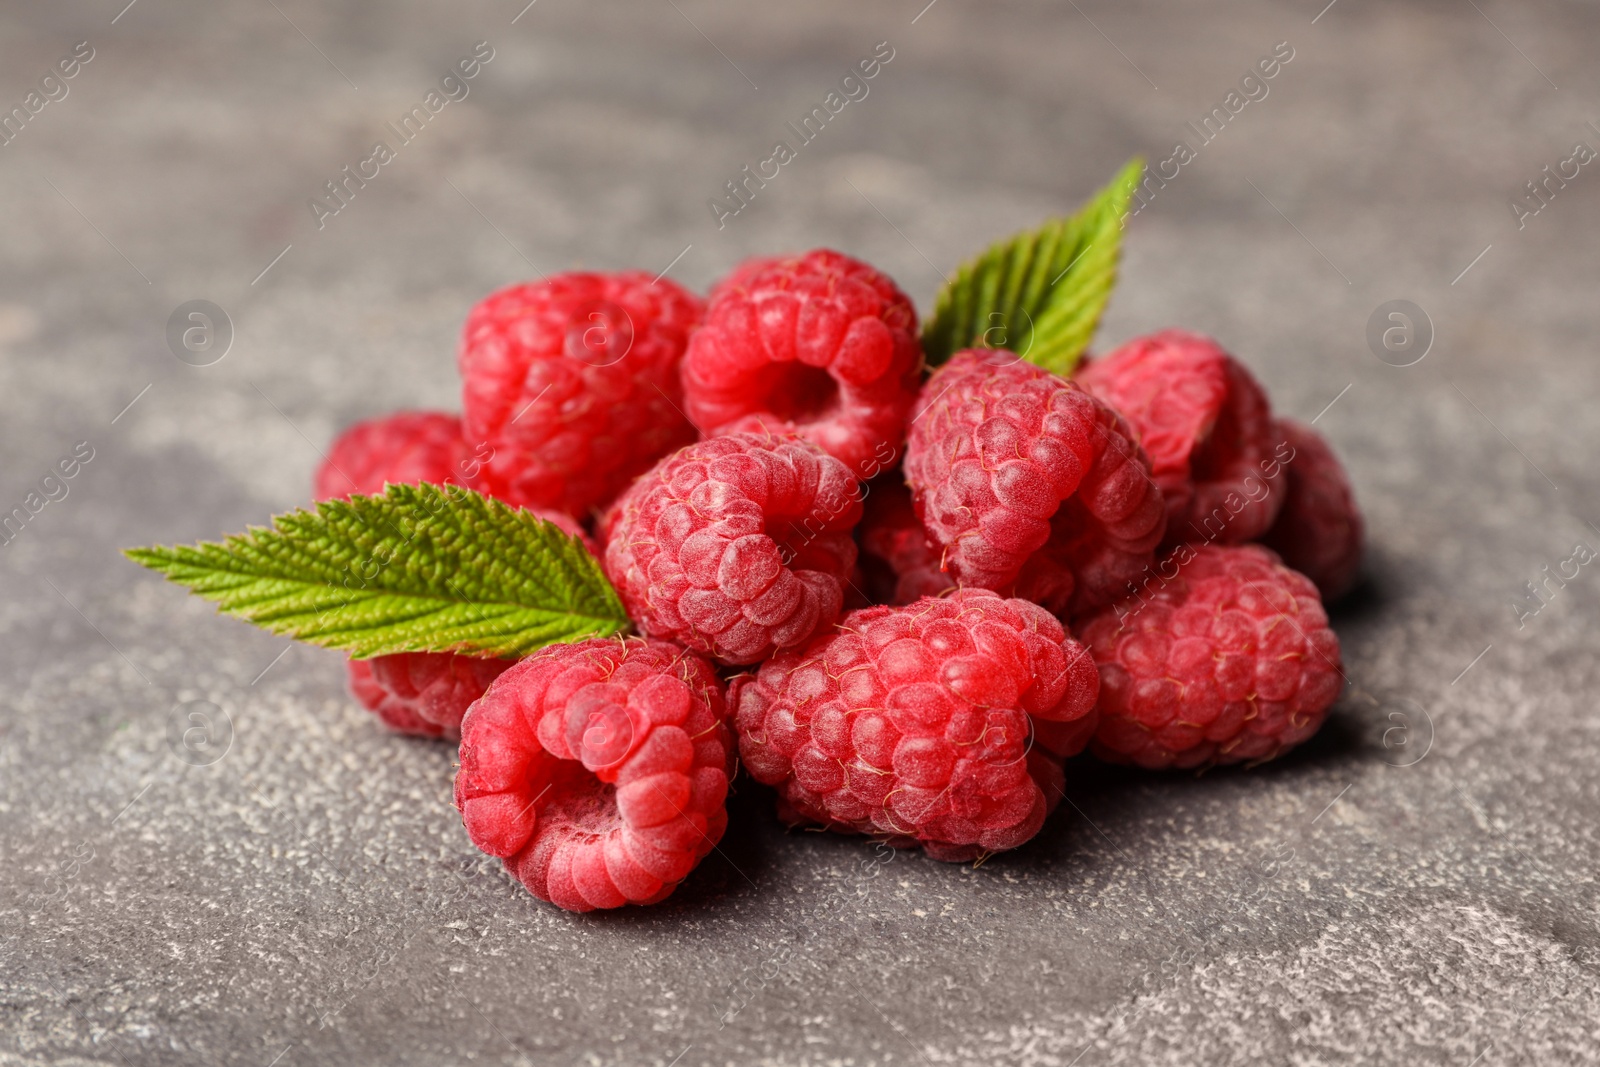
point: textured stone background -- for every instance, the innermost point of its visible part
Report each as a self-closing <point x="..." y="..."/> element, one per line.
<point x="1416" y="886"/>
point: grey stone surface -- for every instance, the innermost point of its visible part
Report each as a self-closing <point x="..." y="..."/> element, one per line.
<point x="1415" y="886"/>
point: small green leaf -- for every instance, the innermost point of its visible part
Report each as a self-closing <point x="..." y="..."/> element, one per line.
<point x="1040" y="292"/>
<point x="419" y="569"/>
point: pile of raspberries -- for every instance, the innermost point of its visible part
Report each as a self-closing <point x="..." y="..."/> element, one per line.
<point x="901" y="599"/>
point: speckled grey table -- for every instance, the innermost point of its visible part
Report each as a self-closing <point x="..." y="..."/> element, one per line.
<point x="291" y="886"/>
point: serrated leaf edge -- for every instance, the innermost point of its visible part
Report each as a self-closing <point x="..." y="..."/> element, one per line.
<point x="1058" y="332"/>
<point x="247" y="581"/>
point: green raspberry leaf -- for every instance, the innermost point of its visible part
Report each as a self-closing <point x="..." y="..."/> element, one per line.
<point x="1040" y="292"/>
<point x="419" y="569"/>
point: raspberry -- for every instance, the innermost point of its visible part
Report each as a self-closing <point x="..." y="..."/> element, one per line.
<point x="735" y="546"/>
<point x="573" y="383"/>
<point x="1229" y="659"/>
<point x="1206" y="425"/>
<point x="1029" y="484"/>
<point x="405" y="448"/>
<point x="423" y="693"/>
<point x="898" y="563"/>
<point x="1319" y="532"/>
<point x="598" y="771"/>
<point x="820" y="345"/>
<point x="914" y="723"/>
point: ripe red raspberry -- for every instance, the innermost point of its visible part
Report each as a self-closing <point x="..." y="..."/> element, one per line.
<point x="1319" y="532"/>
<point x="598" y="771"/>
<point x="913" y="723"/>
<point x="1030" y="484"/>
<point x="821" y="345"/>
<point x="423" y="693"/>
<point x="573" y="383"/>
<point x="405" y="448"/>
<point x="1226" y="658"/>
<point x="735" y="546"/>
<point x="1206" y="425"/>
<point x="898" y="563"/>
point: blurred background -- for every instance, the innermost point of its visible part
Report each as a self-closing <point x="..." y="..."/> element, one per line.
<point x="1417" y="885"/>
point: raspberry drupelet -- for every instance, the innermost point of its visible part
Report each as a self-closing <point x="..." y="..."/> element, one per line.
<point x="1029" y="485"/>
<point x="1064" y="739"/>
<point x="737" y="546"/>
<point x="820" y="345"/>
<point x="915" y="723"/>
<point x="598" y="771"/>
<point x="1206" y="425"/>
<point x="572" y="383"/>
<point x="1229" y="659"/>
